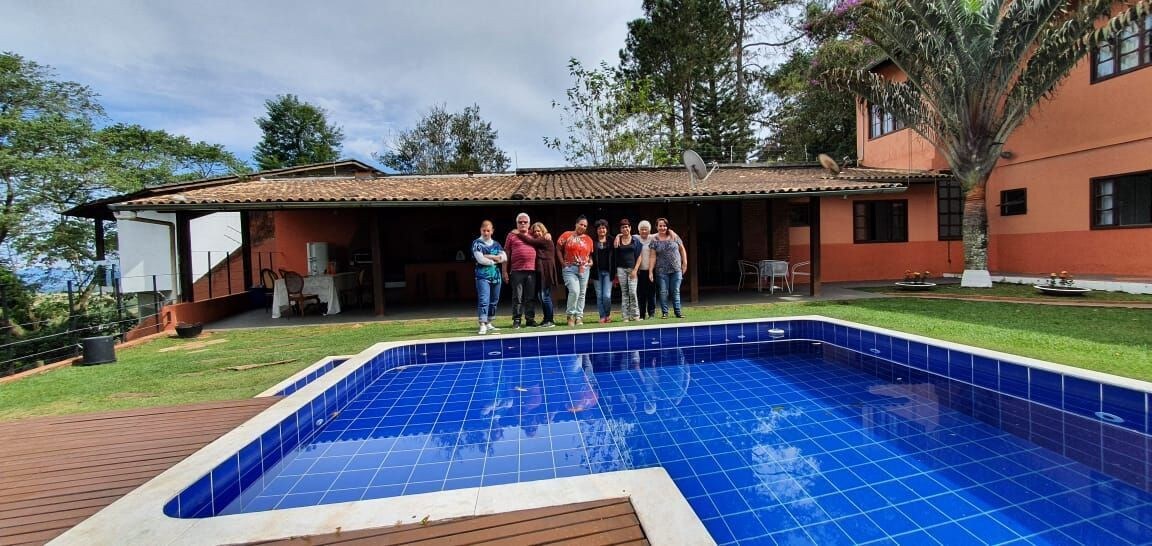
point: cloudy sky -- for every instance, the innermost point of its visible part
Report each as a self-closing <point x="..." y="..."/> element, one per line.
<point x="204" y="68"/>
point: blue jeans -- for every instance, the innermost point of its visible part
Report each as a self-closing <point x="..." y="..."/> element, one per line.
<point x="603" y="286"/>
<point x="669" y="283"/>
<point x="545" y="298"/>
<point x="577" y="284"/>
<point x="487" y="295"/>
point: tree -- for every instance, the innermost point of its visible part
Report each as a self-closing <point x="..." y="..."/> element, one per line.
<point x="807" y="118"/>
<point x="141" y="158"/>
<point x="45" y="137"/>
<point x="974" y="70"/>
<point x="671" y="44"/>
<point x="295" y="133"/>
<point x="53" y="158"/>
<point x="445" y="143"/>
<point x="612" y="121"/>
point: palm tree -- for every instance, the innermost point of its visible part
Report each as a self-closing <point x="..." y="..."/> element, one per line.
<point x="975" y="68"/>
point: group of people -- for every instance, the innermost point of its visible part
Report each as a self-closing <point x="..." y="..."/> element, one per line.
<point x="644" y="265"/>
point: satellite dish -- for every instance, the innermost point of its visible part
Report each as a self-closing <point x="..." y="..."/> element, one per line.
<point x="697" y="170"/>
<point x="829" y="164"/>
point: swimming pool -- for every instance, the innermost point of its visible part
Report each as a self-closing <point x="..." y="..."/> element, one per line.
<point x="827" y="432"/>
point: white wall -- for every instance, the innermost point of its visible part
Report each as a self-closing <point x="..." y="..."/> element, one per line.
<point x="219" y="233"/>
<point x="145" y="249"/>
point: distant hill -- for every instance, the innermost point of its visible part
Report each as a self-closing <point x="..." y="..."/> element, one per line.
<point x="46" y="280"/>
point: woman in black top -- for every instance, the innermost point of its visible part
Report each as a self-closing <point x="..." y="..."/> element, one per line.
<point x="603" y="268"/>
<point x="628" y="253"/>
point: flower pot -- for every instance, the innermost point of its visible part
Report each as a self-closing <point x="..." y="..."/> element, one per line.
<point x="189" y="330"/>
<point x="1061" y="290"/>
<point x="915" y="286"/>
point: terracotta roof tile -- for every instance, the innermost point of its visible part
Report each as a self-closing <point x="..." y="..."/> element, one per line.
<point x="543" y="185"/>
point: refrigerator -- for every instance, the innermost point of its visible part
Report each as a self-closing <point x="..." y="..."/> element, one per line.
<point x="317" y="258"/>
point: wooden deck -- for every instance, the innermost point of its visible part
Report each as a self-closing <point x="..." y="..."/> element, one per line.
<point x="596" y="523"/>
<point x="57" y="471"/>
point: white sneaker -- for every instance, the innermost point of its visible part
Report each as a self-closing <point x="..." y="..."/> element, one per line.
<point x="483" y="329"/>
<point x="492" y="327"/>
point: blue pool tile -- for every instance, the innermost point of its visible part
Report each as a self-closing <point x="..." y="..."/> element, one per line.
<point x="1081" y="396"/>
<point x="853" y="339"/>
<point x="960" y="365"/>
<point x="1127" y="404"/>
<point x="296" y="500"/>
<point x="837" y="505"/>
<point x="745" y="524"/>
<point x="922" y="512"/>
<point x="918" y="355"/>
<point x="938" y="361"/>
<point x="1045" y="387"/>
<point x="806" y="512"/>
<point x="341" y="495"/>
<point x="730" y="502"/>
<point x="952" y="533"/>
<point x="985" y="372"/>
<point x="892" y="520"/>
<point x="861" y="529"/>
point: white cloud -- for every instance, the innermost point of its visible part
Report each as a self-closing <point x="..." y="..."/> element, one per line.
<point x="204" y="69"/>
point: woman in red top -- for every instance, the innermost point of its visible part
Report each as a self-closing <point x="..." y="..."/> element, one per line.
<point x="575" y="250"/>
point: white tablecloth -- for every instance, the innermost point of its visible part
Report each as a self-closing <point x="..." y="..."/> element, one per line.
<point x="327" y="287"/>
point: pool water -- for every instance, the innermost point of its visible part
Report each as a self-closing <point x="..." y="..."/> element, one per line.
<point x="770" y="443"/>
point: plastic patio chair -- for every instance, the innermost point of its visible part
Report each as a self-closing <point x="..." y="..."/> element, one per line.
<point x="796" y="270"/>
<point x="770" y="270"/>
<point x="748" y="268"/>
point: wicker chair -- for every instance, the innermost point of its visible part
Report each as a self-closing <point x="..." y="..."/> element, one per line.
<point x="268" y="284"/>
<point x="297" y="299"/>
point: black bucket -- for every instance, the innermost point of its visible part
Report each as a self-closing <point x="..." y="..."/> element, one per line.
<point x="98" y="350"/>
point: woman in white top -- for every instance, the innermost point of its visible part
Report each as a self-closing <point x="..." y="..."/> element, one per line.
<point x="645" y="288"/>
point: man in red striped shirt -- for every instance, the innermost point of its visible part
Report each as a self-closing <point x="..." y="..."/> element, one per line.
<point x="522" y="278"/>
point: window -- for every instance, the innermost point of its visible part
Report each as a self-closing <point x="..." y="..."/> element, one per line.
<point x="949" y="210"/>
<point x="1128" y="50"/>
<point x="1014" y="202"/>
<point x="880" y="221"/>
<point x="1122" y="201"/>
<point x="881" y="123"/>
<point x="798" y="215"/>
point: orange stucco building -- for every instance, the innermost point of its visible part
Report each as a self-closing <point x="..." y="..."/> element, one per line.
<point x="1072" y="192"/>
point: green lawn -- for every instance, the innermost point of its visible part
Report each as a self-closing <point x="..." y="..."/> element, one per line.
<point x="1110" y="340"/>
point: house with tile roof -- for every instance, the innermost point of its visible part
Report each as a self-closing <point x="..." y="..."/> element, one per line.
<point x="1072" y="190"/>
<point x="409" y="231"/>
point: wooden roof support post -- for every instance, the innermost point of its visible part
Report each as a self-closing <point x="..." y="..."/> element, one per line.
<point x="814" y="245"/>
<point x="693" y="257"/>
<point x="377" y="262"/>
<point x="99" y="238"/>
<point x="184" y="255"/>
<point x="246" y="248"/>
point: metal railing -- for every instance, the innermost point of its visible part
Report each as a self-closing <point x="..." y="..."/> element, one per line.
<point x="108" y="312"/>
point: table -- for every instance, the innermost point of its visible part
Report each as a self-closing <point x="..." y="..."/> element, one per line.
<point x="327" y="287"/>
<point x="771" y="270"/>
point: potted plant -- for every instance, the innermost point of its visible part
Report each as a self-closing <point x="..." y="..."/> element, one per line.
<point x="1060" y="285"/>
<point x="916" y="281"/>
